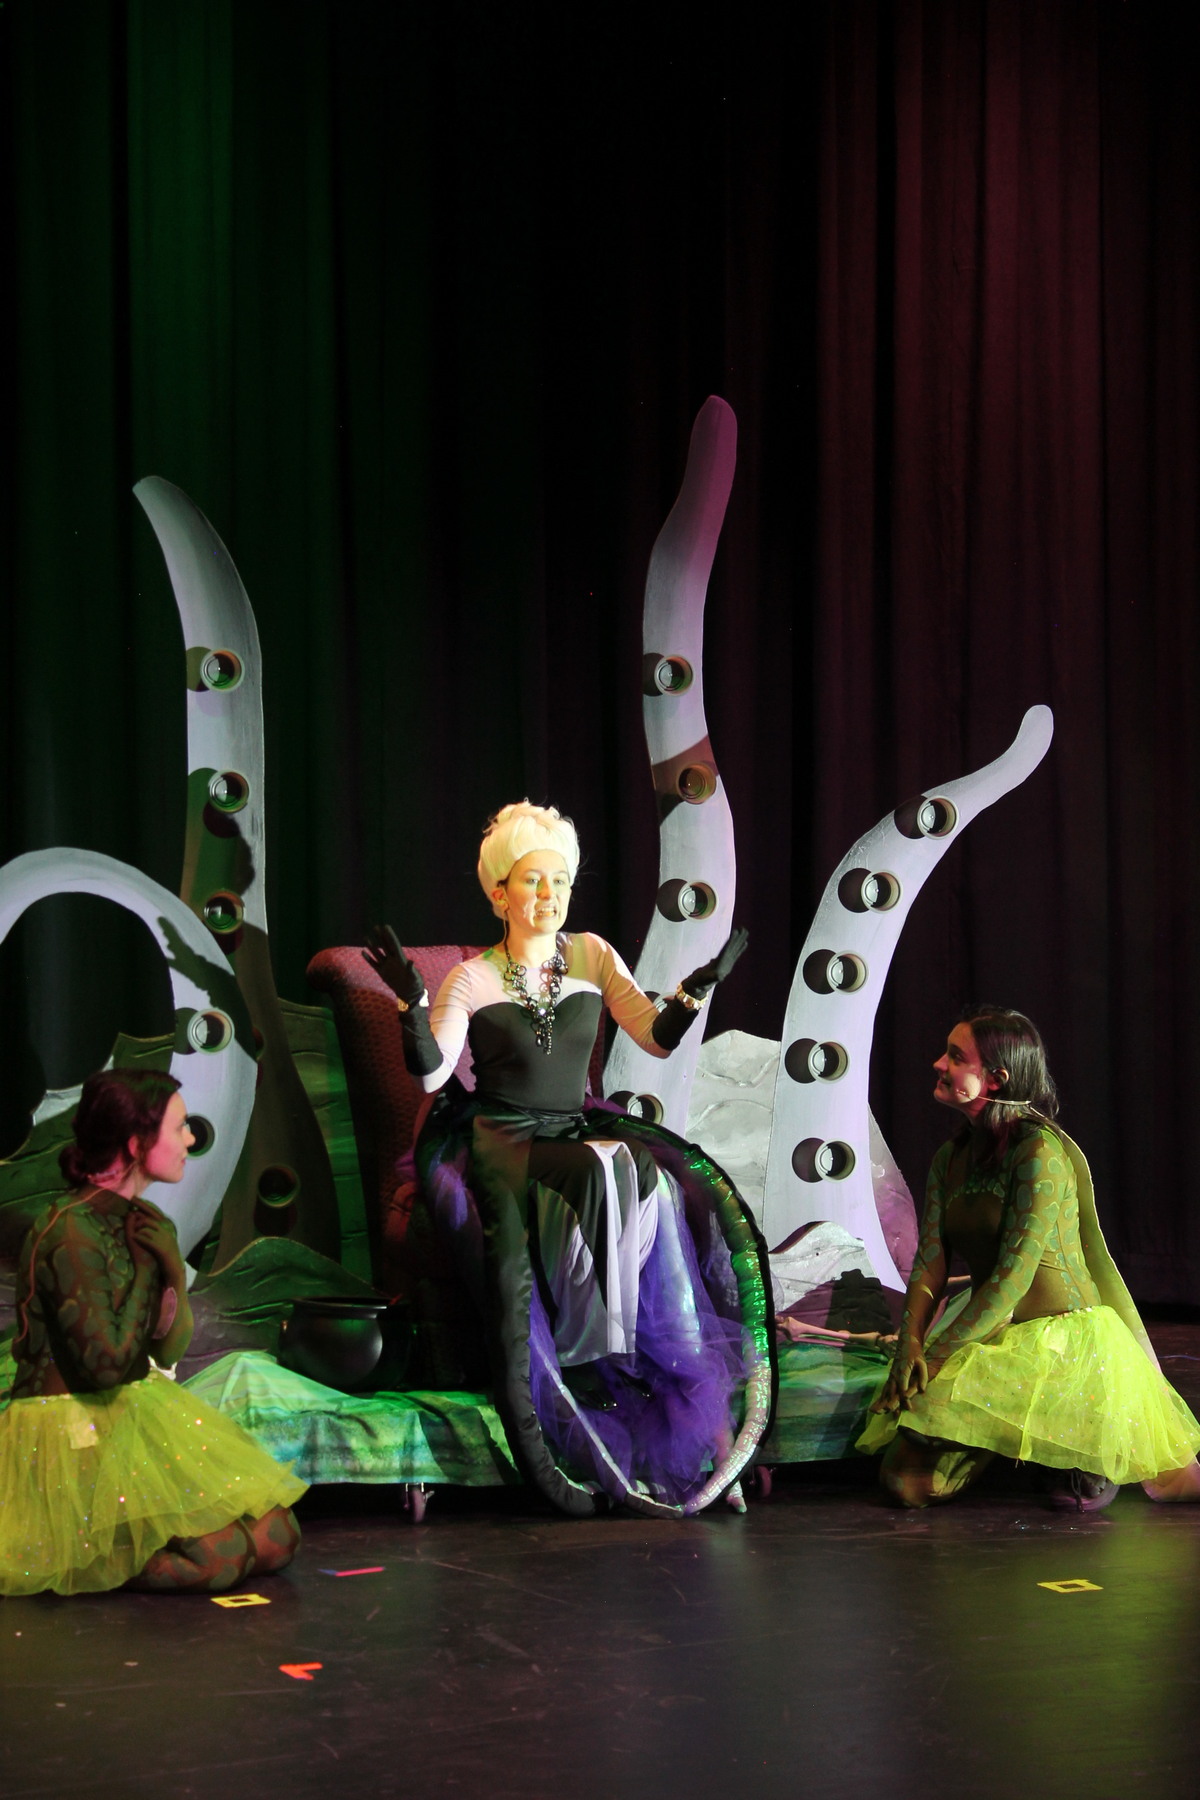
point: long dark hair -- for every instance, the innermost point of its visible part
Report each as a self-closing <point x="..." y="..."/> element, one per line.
<point x="115" y="1105"/>
<point x="1008" y="1040"/>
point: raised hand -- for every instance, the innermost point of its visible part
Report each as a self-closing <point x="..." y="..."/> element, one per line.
<point x="387" y="958"/>
<point x="385" y="955"/>
<point x="678" y="1015"/>
<point x="702" y="980"/>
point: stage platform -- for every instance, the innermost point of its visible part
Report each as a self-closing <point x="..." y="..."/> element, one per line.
<point x="822" y="1647"/>
<point x="424" y="1437"/>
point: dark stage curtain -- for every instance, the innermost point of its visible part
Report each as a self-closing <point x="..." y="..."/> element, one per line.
<point x="419" y="304"/>
<point x="1007" y="478"/>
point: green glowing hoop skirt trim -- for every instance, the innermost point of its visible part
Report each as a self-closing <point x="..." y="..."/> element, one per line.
<point x="91" y="1485"/>
<point x="1074" y="1391"/>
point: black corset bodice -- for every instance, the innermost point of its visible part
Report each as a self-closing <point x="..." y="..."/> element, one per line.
<point x="510" y="1065"/>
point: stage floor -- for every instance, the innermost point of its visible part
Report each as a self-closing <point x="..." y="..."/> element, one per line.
<point x="821" y="1646"/>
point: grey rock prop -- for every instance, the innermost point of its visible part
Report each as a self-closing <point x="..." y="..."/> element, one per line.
<point x="729" y="1113"/>
<point x="822" y="1253"/>
<point x="729" y="1108"/>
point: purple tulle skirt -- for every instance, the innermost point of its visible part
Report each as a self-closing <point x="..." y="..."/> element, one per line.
<point x="694" y="1397"/>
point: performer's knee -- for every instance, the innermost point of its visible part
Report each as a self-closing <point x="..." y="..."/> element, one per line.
<point x="926" y="1471"/>
<point x="208" y="1564"/>
<point x="907" y="1472"/>
<point x="276" y="1539"/>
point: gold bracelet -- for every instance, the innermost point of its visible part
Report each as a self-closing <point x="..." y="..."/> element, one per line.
<point x="402" y="1006"/>
<point x="689" y="1000"/>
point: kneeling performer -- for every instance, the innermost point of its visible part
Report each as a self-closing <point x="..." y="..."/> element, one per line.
<point x="1045" y="1359"/>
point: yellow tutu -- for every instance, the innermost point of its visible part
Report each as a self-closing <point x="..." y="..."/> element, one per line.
<point x="1074" y="1391"/>
<point x="91" y="1485"/>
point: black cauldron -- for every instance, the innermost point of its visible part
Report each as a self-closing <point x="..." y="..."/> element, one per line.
<point x="333" y="1339"/>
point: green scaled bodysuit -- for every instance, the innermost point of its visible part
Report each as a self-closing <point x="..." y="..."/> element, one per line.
<point x="1046" y="1360"/>
<point x="86" y="1308"/>
<point x="95" y="1480"/>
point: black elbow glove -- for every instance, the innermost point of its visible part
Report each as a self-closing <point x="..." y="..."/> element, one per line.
<point x="387" y="958"/>
<point x="677" y="1016"/>
<point x="671" y="1023"/>
<point x="421" y="1053"/>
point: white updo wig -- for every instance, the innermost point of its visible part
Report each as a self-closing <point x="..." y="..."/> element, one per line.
<point x="516" y="830"/>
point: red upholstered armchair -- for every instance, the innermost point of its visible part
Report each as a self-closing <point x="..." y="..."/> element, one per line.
<point x="386" y="1104"/>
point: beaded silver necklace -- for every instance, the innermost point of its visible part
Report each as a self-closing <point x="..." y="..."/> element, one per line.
<point x="540" y="1007"/>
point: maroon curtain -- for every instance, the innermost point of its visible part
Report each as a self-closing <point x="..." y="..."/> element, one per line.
<point x="419" y="305"/>
<point x="1008" y="461"/>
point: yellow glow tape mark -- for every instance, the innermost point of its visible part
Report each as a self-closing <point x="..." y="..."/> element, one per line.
<point x="1071" y="1587"/>
<point x="240" y="1600"/>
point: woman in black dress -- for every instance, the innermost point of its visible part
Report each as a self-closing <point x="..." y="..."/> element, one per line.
<point x="619" y="1277"/>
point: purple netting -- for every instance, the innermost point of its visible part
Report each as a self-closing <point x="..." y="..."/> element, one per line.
<point x="690" y="1359"/>
<point x="455" y="1214"/>
<point x="715" y="1262"/>
<point x="689" y="1340"/>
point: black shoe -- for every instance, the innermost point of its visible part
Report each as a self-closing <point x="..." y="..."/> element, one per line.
<point x="1077" y="1490"/>
<point x="584" y="1383"/>
<point x="634" y="1384"/>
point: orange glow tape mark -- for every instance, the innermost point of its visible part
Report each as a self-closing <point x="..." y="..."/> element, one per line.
<point x="1071" y="1587"/>
<point x="340" y="1572"/>
<point x="240" y="1600"/>
<point x="300" y="1671"/>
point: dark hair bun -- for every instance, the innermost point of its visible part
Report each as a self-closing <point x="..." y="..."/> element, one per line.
<point x="116" y="1107"/>
<point x="73" y="1165"/>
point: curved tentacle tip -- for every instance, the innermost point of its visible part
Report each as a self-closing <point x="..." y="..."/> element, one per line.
<point x="1037" y="722"/>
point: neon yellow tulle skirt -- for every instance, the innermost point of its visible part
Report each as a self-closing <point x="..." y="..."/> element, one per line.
<point x="1074" y="1391"/>
<point x="91" y="1485"/>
